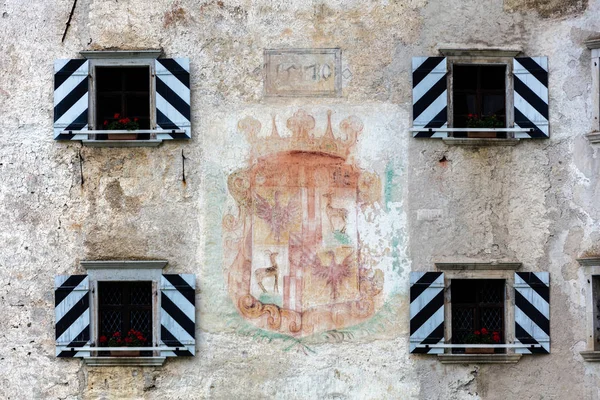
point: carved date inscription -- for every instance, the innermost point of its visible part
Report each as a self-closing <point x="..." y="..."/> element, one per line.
<point x="303" y="72"/>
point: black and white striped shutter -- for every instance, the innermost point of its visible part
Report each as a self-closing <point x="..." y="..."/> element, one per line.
<point x="70" y="98"/>
<point x="173" y="97"/>
<point x="532" y="311"/>
<point x="426" y="311"/>
<point x="531" y="96"/>
<point x="430" y="96"/>
<point x="72" y="311"/>
<point x="178" y="314"/>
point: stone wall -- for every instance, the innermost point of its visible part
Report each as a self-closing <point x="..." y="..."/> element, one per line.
<point x="533" y="203"/>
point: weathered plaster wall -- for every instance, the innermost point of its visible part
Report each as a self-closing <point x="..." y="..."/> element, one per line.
<point x="534" y="203"/>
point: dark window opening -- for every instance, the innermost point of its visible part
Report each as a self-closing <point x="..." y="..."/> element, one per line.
<point x="596" y="312"/>
<point x="479" y="98"/>
<point x="124" y="91"/>
<point x="124" y="306"/>
<point x="477" y="304"/>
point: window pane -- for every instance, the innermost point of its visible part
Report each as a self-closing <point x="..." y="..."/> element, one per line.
<point x="123" y="91"/>
<point x="476" y="304"/>
<point x="111" y="322"/>
<point x="137" y="79"/>
<point x="464" y="77"/>
<point x="493" y="77"/>
<point x="491" y="319"/>
<point x="124" y="306"/>
<point x="108" y="79"/>
<point x="108" y="106"/>
<point x="478" y="90"/>
<point x="137" y="106"/>
<point x="493" y="104"/>
<point x="464" y="104"/>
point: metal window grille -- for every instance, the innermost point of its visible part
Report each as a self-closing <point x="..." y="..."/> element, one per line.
<point x="124" y="306"/>
<point x="476" y="304"/>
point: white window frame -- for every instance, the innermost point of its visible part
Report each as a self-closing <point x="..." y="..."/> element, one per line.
<point x="591" y="271"/>
<point x="133" y="271"/>
<point x="508" y="88"/>
<point x="142" y="62"/>
<point x="482" y="57"/>
<point x="505" y="271"/>
<point x="120" y="58"/>
<point x="594" y="46"/>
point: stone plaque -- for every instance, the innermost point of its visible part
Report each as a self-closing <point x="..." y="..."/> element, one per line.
<point x="303" y="72"/>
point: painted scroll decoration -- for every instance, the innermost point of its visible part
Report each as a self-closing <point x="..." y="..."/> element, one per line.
<point x="297" y="268"/>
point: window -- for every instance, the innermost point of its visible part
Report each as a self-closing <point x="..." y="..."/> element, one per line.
<point x="446" y="307"/>
<point x="594" y="46"/>
<point x="117" y="296"/>
<point x="477" y="304"/>
<point x="596" y="311"/>
<point x="122" y="98"/>
<point x="591" y="283"/>
<point x="122" y="92"/>
<point x="480" y="94"/>
<point x="123" y="306"/>
<point x="479" y="98"/>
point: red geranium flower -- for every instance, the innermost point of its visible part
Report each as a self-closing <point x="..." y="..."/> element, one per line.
<point x="103" y="339"/>
<point x="484" y="331"/>
<point x="477" y="333"/>
<point x="105" y="122"/>
<point x="117" y="334"/>
<point x="136" y="119"/>
<point x="117" y="115"/>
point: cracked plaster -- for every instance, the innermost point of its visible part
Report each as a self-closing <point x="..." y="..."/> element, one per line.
<point x="535" y="202"/>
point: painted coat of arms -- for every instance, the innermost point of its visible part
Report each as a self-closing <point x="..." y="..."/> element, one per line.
<point x="293" y="256"/>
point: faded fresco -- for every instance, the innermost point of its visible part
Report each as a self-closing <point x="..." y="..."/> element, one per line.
<point x="298" y="268"/>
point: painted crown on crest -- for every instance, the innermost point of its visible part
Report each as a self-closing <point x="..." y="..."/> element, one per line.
<point x="302" y="126"/>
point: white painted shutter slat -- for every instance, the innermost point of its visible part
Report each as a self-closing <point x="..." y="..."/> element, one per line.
<point x="531" y="96"/>
<point x="72" y="312"/>
<point x="426" y="311"/>
<point x="173" y="97"/>
<point x="430" y="96"/>
<point x="532" y="311"/>
<point x="178" y="314"/>
<point x="71" y="86"/>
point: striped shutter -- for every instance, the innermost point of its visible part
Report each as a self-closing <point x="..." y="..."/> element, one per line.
<point x="426" y="311"/>
<point x="532" y="311"/>
<point x="178" y="314"/>
<point x="173" y="97"/>
<point x="70" y="98"/>
<point x="430" y="96"/>
<point x="72" y="310"/>
<point x="531" y="96"/>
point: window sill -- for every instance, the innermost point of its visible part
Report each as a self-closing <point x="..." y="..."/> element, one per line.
<point x="480" y="141"/>
<point x="593" y="137"/>
<point x="479" y="358"/>
<point x="478" y="266"/>
<point x="589" y="261"/>
<point x="122" y="143"/>
<point x="124" y="361"/>
<point x="590" y="355"/>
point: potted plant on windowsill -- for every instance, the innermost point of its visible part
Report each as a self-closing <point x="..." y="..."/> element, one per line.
<point x="484" y="121"/>
<point x="123" y="124"/>
<point x="132" y="339"/>
<point x="482" y="336"/>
